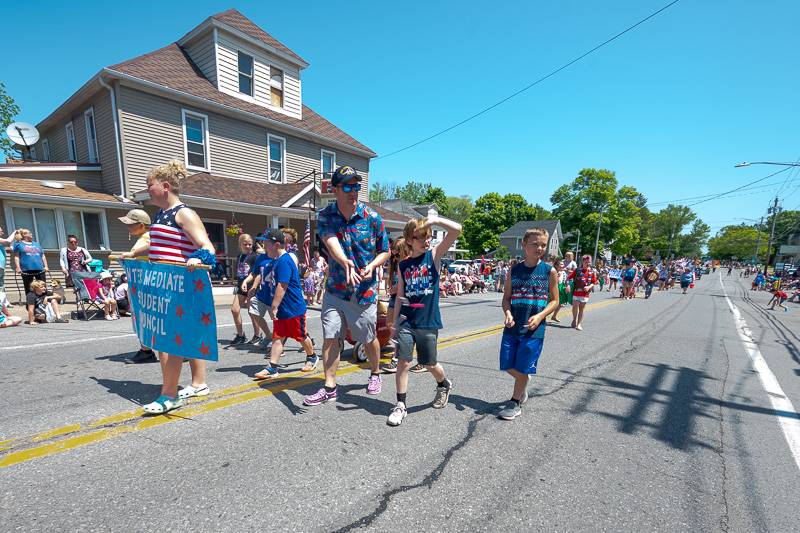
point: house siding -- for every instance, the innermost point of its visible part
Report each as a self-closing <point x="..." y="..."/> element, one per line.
<point x="201" y="51"/>
<point x="152" y="134"/>
<point x="106" y="142"/>
<point x="151" y="129"/>
<point x="229" y="46"/>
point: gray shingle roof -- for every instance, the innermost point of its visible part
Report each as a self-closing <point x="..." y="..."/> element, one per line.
<point x="519" y="229"/>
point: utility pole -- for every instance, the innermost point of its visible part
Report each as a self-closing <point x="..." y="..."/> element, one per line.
<point x="597" y="238"/>
<point x="774" y="210"/>
<point x="758" y="241"/>
<point x="578" y="246"/>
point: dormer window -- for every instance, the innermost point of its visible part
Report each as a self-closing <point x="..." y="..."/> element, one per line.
<point x="245" y="74"/>
<point x="276" y="86"/>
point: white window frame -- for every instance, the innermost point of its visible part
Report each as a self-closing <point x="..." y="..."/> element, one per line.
<point x="271" y="137"/>
<point x="322" y="154"/>
<point x="252" y="73"/>
<point x="94" y="153"/>
<point x="281" y="86"/>
<point x="61" y="233"/>
<point x="46" y="149"/>
<point x="72" y="146"/>
<point x="206" y="140"/>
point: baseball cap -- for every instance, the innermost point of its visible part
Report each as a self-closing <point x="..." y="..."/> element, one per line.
<point x="136" y="216"/>
<point x="273" y="235"/>
<point x="106" y="274"/>
<point x="344" y="174"/>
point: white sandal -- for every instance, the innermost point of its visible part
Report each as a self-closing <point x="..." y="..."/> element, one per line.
<point x="162" y="404"/>
<point x="191" y="392"/>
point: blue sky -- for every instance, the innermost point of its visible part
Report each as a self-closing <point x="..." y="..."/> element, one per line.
<point x="670" y="107"/>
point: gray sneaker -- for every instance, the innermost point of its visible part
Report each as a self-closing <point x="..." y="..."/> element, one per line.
<point x="510" y="411"/>
<point x="442" y="395"/>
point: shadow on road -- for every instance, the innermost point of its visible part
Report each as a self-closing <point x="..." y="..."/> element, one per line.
<point x="133" y="391"/>
<point x="668" y="414"/>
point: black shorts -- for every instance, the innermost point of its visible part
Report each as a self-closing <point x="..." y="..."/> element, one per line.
<point x="123" y="304"/>
<point x="238" y="289"/>
<point x="29" y="275"/>
<point x="425" y="340"/>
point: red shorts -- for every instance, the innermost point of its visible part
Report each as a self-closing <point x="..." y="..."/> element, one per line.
<point x="290" y="328"/>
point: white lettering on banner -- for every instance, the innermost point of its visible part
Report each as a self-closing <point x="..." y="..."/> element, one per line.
<point x="151" y="323"/>
<point x="151" y="302"/>
<point x="159" y="280"/>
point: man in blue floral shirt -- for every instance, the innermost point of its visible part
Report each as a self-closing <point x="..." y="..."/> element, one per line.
<point x="358" y="244"/>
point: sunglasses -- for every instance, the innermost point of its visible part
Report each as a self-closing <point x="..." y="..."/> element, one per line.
<point x="351" y="187"/>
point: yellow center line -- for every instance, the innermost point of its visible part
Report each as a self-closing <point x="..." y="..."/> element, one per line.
<point x="129" y="421"/>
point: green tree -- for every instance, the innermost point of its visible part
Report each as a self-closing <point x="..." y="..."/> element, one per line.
<point x="8" y="110"/>
<point x="739" y="242"/>
<point x="691" y="244"/>
<point x="578" y="205"/>
<point x="415" y="192"/>
<point x="378" y="192"/>
<point x="458" y="208"/>
<point x="491" y="216"/>
<point x="787" y="226"/>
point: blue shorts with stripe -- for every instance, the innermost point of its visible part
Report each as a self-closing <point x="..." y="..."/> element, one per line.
<point x="520" y="353"/>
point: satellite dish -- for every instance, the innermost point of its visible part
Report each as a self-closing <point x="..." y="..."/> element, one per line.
<point x="22" y="133"/>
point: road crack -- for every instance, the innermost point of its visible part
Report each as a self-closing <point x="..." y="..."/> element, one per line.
<point x="427" y="481"/>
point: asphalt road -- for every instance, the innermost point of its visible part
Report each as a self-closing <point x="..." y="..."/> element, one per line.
<point x="651" y="419"/>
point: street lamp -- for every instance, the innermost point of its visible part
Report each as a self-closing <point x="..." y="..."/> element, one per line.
<point x="746" y="164"/>
<point x="597" y="237"/>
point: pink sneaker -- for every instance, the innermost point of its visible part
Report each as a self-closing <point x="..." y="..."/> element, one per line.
<point x="374" y="384"/>
<point x="321" y="396"/>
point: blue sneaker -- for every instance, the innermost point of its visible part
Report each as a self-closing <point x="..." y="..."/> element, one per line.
<point x="269" y="372"/>
<point x="311" y="363"/>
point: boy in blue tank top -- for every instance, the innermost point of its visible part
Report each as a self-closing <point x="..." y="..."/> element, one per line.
<point x="417" y="319"/>
<point x="530" y="294"/>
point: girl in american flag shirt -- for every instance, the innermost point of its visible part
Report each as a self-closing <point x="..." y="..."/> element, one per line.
<point x="177" y="235"/>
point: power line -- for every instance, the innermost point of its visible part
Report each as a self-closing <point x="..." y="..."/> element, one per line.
<point x="739" y="188"/>
<point x="764" y="186"/>
<point x="531" y="85"/>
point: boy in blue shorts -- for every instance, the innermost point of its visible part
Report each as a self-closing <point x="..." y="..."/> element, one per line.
<point x="530" y="294"/>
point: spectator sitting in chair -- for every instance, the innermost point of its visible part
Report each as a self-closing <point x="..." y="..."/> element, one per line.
<point x="105" y="296"/>
<point x="41" y="307"/>
<point x="73" y="258"/>
<point x="7" y="320"/>
<point x="121" y="296"/>
<point x="455" y="280"/>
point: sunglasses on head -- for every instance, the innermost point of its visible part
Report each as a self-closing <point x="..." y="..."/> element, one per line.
<point x="350" y="187"/>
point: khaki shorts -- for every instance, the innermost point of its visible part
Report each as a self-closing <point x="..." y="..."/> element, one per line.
<point x="258" y="308"/>
<point x="340" y="315"/>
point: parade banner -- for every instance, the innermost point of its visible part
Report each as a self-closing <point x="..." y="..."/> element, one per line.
<point x="172" y="309"/>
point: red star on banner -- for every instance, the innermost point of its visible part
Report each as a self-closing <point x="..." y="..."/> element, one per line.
<point x="178" y="340"/>
<point x="198" y="285"/>
<point x="205" y="318"/>
<point x="179" y="311"/>
<point x="133" y="290"/>
<point x="204" y="349"/>
<point x="153" y="340"/>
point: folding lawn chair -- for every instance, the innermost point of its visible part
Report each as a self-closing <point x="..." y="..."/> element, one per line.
<point x="87" y="286"/>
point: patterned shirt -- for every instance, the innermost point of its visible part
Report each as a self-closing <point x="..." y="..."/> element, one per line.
<point x="168" y="241"/>
<point x="530" y="294"/>
<point x="362" y="237"/>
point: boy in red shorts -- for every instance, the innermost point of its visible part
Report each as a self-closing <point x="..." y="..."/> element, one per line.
<point x="288" y="305"/>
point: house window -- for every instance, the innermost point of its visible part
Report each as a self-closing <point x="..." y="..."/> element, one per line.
<point x="276" y="149"/>
<point x="328" y="163"/>
<point x="91" y="135"/>
<point x="51" y="226"/>
<point x="276" y="86"/>
<point x="245" y="74"/>
<point x="86" y="226"/>
<point x="71" y="148"/>
<point x="195" y="135"/>
<point x="33" y="153"/>
<point x="46" y="150"/>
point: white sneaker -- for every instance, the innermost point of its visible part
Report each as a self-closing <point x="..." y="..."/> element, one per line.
<point x="191" y="392"/>
<point x="397" y="415"/>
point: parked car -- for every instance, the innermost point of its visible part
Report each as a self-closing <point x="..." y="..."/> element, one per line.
<point x="459" y="265"/>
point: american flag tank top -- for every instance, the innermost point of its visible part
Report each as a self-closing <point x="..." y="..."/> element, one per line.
<point x="168" y="241"/>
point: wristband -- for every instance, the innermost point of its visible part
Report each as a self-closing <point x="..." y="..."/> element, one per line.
<point x="205" y="257"/>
